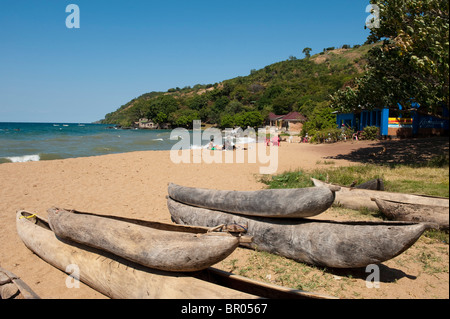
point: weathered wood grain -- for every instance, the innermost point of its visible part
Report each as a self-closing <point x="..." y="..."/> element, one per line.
<point x="116" y="277"/>
<point x="316" y="242"/>
<point x="279" y="203"/>
<point x="12" y="287"/>
<point x="355" y="198"/>
<point x="401" y="211"/>
<point x="111" y="275"/>
<point x="169" y="250"/>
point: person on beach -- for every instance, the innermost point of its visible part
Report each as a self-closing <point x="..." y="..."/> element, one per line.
<point x="211" y="145"/>
<point x="276" y="140"/>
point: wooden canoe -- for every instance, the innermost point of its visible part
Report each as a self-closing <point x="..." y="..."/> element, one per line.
<point x="119" y="278"/>
<point x="154" y="245"/>
<point x="316" y="242"/>
<point x="12" y="287"/>
<point x="374" y="184"/>
<point x="279" y="203"/>
<point x="401" y="211"/>
<point x="355" y="198"/>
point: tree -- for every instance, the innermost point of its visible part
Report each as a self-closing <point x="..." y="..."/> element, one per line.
<point x="253" y="119"/>
<point x="165" y="104"/>
<point x="183" y="118"/>
<point x="197" y="102"/>
<point x="411" y="66"/>
<point x="160" y="118"/>
<point x="320" y="119"/>
<point x="307" y="52"/>
<point x="282" y="104"/>
<point x="227" y="121"/>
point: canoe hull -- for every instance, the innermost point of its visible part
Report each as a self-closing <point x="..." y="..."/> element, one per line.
<point x="12" y="287"/>
<point x="169" y="250"/>
<point x="111" y="275"/>
<point x="355" y="198"/>
<point x="316" y="242"/>
<point x="414" y="212"/>
<point x="279" y="203"/>
<point x="116" y="277"/>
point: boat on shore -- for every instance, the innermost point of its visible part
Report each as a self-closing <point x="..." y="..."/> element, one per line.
<point x="356" y="198"/>
<point x="277" y="203"/>
<point x="119" y="278"/>
<point x="316" y="242"/>
<point x="12" y="287"/>
<point x="402" y="211"/>
<point x="154" y="245"/>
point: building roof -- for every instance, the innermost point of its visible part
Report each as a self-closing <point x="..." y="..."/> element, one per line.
<point x="292" y="116"/>
<point x="273" y="116"/>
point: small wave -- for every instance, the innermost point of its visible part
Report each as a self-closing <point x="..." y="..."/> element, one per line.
<point x="199" y="147"/>
<point x="23" y="159"/>
<point x="245" y="140"/>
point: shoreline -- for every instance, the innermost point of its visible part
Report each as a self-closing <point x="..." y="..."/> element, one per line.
<point x="132" y="184"/>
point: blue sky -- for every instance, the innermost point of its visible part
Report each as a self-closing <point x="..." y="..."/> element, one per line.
<point x="49" y="73"/>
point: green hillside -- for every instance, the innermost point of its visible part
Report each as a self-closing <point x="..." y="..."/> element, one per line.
<point x="302" y="85"/>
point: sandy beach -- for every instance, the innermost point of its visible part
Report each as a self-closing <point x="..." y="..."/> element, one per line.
<point x="135" y="185"/>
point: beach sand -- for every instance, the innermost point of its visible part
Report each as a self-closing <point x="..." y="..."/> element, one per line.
<point x="131" y="185"/>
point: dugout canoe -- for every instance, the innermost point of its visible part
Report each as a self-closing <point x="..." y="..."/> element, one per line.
<point x="279" y="203"/>
<point x="119" y="278"/>
<point x="374" y="184"/>
<point x="154" y="245"/>
<point x="355" y="198"/>
<point x="316" y="242"/>
<point x="402" y="211"/>
<point x="12" y="287"/>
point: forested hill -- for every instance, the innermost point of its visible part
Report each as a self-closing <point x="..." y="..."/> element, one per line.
<point x="302" y="85"/>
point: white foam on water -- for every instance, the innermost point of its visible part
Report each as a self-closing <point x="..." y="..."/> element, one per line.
<point x="198" y="147"/>
<point x="245" y="140"/>
<point x="24" y="158"/>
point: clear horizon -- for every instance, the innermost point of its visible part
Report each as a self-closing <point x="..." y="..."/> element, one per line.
<point x="51" y="73"/>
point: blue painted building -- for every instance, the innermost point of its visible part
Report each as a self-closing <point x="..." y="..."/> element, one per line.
<point x="392" y="124"/>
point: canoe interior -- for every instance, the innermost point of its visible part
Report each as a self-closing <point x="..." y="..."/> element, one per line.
<point x="395" y="210"/>
<point x="36" y="220"/>
<point x="150" y="224"/>
<point x="210" y="275"/>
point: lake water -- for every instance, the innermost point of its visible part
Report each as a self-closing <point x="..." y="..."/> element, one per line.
<point x="22" y="142"/>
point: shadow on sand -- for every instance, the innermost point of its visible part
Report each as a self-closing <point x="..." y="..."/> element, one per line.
<point x="414" y="151"/>
<point x="387" y="274"/>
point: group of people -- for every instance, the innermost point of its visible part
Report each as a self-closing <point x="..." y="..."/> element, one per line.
<point x="275" y="141"/>
<point x="228" y="145"/>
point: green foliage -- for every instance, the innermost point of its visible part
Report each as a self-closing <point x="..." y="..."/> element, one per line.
<point x="303" y="85"/>
<point x="329" y="135"/>
<point x="307" y="52"/>
<point x="412" y="63"/>
<point x="370" y="133"/>
<point x="183" y="118"/>
<point x="401" y="178"/>
<point x="227" y="121"/>
<point x="321" y="122"/>
<point x="253" y="119"/>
